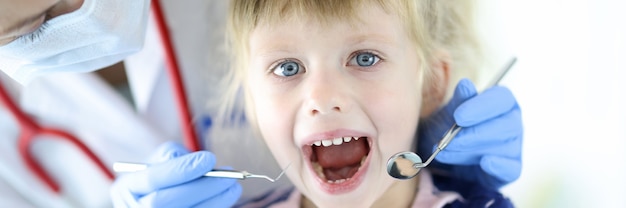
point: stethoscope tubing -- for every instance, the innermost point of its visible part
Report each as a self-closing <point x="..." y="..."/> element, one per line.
<point x="29" y="130"/>
<point x="189" y="134"/>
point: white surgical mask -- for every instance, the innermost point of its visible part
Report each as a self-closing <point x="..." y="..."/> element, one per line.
<point x="98" y="34"/>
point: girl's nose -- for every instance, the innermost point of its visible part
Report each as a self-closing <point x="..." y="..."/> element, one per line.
<point x="328" y="93"/>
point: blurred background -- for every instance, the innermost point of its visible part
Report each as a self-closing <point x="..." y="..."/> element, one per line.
<point x="569" y="81"/>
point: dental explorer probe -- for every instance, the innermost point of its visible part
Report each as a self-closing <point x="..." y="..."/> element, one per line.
<point x="125" y="167"/>
<point x="406" y="165"/>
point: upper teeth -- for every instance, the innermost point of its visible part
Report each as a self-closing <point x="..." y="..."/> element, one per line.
<point x="335" y="141"/>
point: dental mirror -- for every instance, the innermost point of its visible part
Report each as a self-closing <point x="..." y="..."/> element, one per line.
<point x="401" y="165"/>
<point x="406" y="165"/>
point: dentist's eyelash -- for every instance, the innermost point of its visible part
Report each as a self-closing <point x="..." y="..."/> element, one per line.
<point x="31" y="37"/>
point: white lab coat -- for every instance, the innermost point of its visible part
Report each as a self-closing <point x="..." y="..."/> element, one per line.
<point x="115" y="130"/>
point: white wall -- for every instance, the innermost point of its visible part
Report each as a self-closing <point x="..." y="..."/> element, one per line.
<point x="569" y="81"/>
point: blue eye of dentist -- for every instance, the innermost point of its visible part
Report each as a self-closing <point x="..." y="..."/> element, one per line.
<point x="287" y="69"/>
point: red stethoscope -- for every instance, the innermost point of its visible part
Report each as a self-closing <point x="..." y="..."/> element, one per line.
<point x="31" y="129"/>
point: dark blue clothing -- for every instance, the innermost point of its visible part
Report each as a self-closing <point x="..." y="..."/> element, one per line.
<point x="474" y="194"/>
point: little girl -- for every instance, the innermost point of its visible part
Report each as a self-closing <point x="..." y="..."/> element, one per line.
<point x="337" y="87"/>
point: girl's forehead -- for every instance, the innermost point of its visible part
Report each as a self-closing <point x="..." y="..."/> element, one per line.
<point x="372" y="24"/>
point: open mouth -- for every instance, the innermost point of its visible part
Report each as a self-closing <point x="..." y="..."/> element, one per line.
<point x="338" y="161"/>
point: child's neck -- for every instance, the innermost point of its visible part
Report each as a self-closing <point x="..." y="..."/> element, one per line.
<point x="400" y="194"/>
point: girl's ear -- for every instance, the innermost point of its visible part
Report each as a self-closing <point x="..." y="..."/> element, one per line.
<point x="435" y="83"/>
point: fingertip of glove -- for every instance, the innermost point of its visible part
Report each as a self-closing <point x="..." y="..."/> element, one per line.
<point x="465" y="119"/>
<point x="465" y="89"/>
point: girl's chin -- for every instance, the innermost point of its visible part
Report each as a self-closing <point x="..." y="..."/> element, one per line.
<point x="357" y="197"/>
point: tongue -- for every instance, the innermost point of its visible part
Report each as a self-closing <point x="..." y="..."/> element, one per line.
<point x="334" y="174"/>
<point x="341" y="161"/>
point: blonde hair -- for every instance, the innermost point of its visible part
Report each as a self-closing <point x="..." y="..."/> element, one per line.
<point x="433" y="25"/>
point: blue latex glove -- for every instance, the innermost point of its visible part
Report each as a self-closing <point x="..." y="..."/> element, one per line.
<point x="174" y="179"/>
<point x="488" y="149"/>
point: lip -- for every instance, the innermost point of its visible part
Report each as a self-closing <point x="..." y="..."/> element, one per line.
<point x="355" y="180"/>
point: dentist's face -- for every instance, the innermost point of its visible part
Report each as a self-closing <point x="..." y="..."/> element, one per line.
<point x="22" y="17"/>
<point x="336" y="101"/>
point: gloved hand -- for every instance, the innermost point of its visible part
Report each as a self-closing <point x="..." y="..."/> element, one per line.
<point x="488" y="148"/>
<point x="174" y="180"/>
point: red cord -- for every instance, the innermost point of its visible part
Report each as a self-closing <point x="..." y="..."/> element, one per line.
<point x="26" y="139"/>
<point x="23" y="120"/>
<point x="189" y="136"/>
<point x="31" y="130"/>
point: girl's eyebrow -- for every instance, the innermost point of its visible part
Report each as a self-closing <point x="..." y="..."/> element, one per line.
<point x="272" y="48"/>
<point x="376" y="38"/>
<point x="26" y="21"/>
<point x="269" y="52"/>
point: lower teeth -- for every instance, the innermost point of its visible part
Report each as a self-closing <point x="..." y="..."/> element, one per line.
<point x="339" y="181"/>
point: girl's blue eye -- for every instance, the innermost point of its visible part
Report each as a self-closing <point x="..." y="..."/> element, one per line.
<point x="365" y="59"/>
<point x="287" y="69"/>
